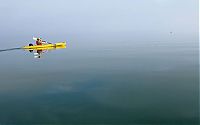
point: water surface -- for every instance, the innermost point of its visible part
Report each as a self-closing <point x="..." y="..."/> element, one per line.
<point x="117" y="82"/>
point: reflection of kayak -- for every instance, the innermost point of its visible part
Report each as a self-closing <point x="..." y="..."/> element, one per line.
<point x="46" y="46"/>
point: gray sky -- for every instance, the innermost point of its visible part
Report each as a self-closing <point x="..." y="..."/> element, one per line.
<point x="137" y="18"/>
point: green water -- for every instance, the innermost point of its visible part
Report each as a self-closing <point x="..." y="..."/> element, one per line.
<point x="123" y="82"/>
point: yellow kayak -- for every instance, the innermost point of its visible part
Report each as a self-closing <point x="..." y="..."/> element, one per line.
<point x="47" y="46"/>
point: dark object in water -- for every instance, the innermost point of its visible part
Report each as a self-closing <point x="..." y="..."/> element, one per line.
<point x="2" y="50"/>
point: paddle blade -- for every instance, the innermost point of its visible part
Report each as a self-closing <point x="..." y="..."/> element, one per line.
<point x="34" y="38"/>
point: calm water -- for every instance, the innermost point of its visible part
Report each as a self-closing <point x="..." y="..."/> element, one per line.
<point x="117" y="82"/>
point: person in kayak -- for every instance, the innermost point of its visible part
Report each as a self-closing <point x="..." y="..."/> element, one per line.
<point x="39" y="41"/>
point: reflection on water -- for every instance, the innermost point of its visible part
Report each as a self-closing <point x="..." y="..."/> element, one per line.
<point x="39" y="52"/>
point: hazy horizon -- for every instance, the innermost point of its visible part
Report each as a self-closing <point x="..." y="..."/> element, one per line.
<point x="127" y="19"/>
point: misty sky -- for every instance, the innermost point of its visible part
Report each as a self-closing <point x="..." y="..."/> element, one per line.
<point x="88" y="17"/>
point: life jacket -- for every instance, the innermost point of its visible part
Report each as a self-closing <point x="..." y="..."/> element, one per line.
<point x="38" y="43"/>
